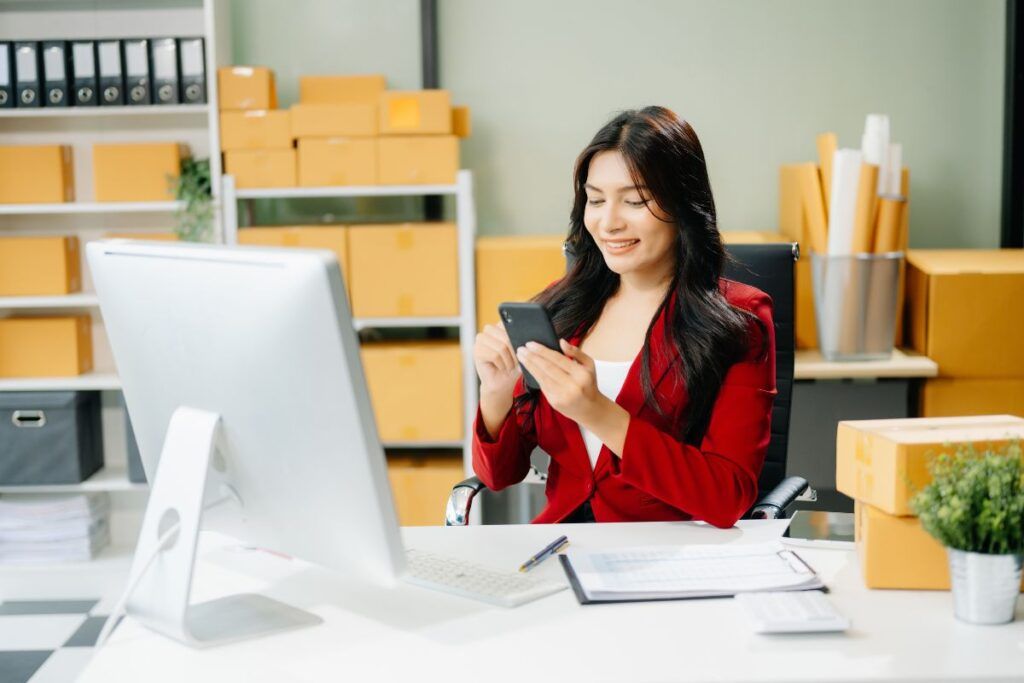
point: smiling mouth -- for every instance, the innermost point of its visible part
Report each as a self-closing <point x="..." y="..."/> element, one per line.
<point x="620" y="245"/>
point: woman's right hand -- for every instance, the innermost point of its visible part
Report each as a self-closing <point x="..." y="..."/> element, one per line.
<point x="496" y="363"/>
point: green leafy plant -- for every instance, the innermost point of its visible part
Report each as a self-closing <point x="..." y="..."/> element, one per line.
<point x="193" y="188"/>
<point x="975" y="501"/>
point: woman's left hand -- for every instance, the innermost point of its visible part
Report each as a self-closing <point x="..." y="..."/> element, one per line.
<point x="568" y="379"/>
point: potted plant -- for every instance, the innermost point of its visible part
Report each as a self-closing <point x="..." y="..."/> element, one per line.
<point x="974" y="506"/>
<point x="192" y="187"/>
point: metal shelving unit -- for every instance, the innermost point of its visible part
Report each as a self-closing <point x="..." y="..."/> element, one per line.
<point x="465" y="211"/>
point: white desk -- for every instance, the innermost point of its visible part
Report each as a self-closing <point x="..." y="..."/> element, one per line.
<point x="407" y="634"/>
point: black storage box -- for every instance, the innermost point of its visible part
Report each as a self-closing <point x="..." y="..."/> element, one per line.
<point x="49" y="437"/>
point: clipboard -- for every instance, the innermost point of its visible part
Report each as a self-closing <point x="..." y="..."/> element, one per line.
<point x="584" y="599"/>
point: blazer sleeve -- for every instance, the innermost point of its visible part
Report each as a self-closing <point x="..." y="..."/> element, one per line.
<point x="718" y="481"/>
<point x="505" y="460"/>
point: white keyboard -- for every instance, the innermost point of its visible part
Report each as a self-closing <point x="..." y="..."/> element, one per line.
<point x="791" y="612"/>
<point x="458" y="577"/>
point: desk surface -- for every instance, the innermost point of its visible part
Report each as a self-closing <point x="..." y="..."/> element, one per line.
<point x="810" y="364"/>
<point x="408" y="634"/>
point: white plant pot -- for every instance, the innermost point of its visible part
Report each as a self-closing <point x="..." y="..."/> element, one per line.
<point x="985" y="587"/>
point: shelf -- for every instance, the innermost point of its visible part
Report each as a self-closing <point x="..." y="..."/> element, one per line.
<point x="103" y="112"/>
<point x="365" y="323"/>
<point x="344" y="191"/>
<point x="89" y="207"/>
<point x="107" y="479"/>
<point x="59" y="301"/>
<point x="92" y="381"/>
<point x="810" y="364"/>
<point x="422" y="444"/>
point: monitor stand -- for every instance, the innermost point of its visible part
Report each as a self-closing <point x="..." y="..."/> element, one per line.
<point x="162" y="577"/>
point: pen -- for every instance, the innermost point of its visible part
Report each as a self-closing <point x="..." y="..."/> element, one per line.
<point x="548" y="550"/>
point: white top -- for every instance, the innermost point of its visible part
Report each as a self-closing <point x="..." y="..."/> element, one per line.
<point x="409" y="633"/>
<point x="611" y="375"/>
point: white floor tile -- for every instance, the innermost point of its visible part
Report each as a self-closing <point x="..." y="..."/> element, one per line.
<point x="63" y="666"/>
<point x="43" y="632"/>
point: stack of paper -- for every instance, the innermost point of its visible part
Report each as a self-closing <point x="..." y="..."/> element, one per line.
<point x="674" y="572"/>
<point x="53" y="528"/>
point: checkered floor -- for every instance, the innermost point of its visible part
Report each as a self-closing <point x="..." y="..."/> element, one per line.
<point x="46" y="641"/>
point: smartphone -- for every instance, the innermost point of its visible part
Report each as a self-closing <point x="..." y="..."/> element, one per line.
<point x="526" y="322"/>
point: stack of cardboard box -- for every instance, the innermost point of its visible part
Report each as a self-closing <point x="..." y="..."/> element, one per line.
<point x="350" y="130"/>
<point x="52" y="346"/>
<point x="881" y="464"/>
<point x="255" y="135"/>
<point x="965" y="311"/>
<point x="345" y="130"/>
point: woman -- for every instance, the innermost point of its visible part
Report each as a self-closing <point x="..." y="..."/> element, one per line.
<point x="659" y="406"/>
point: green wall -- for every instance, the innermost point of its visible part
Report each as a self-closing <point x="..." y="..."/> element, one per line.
<point x="758" y="79"/>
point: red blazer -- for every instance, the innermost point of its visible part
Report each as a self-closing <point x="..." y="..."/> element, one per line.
<point x="658" y="477"/>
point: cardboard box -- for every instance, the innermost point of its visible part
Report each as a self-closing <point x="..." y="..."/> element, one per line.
<point x="39" y="266"/>
<point x="421" y="486"/>
<point x="415" y="389"/>
<point x="408" y="269"/>
<point x="415" y="112"/>
<point x="255" y="129"/>
<point x="896" y="552"/>
<point x="965" y="310"/>
<point x="462" y="122"/>
<point x="246" y="87"/>
<point x="944" y="397"/>
<point x="884" y="462"/>
<point x="514" y="268"/>
<point x="341" y="89"/>
<point x="356" y="119"/>
<point x="417" y="160"/>
<point x="45" y="347"/>
<point x="36" y="174"/>
<point x="136" y="172"/>
<point x="337" y="161"/>
<point x="332" y="237"/>
<point x="261" y="167"/>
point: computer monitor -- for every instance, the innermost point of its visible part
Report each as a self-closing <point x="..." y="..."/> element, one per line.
<point x="241" y="373"/>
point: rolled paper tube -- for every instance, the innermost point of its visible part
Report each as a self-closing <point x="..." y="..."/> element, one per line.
<point x="828" y="143"/>
<point x="864" y="212"/>
<point x="887" y="233"/>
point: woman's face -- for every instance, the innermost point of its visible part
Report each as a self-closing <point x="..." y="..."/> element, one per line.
<point x="619" y="216"/>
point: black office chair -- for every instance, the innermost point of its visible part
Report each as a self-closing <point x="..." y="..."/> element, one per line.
<point x="769" y="267"/>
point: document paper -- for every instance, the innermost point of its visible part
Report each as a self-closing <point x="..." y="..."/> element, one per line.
<point x="666" y="572"/>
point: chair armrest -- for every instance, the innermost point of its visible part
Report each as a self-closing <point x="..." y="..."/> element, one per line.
<point x="460" y="500"/>
<point x="773" y="505"/>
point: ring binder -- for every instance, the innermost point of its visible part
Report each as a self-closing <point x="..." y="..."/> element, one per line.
<point x="6" y="75"/>
<point x="136" y="71"/>
<point x="27" y="68"/>
<point x="83" y="70"/>
<point x="111" y="72"/>
<point x="56" y="71"/>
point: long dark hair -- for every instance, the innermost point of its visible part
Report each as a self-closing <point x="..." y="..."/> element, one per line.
<point x="662" y="152"/>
